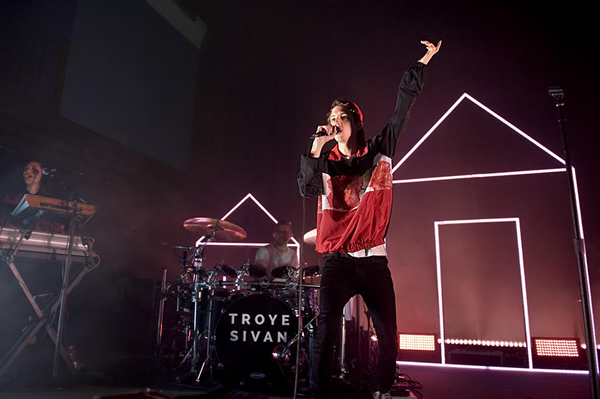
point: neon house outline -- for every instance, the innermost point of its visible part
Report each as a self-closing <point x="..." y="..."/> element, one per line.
<point x="490" y="175"/>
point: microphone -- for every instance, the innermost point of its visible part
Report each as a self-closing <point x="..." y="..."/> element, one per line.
<point x="336" y="129"/>
<point x="49" y="171"/>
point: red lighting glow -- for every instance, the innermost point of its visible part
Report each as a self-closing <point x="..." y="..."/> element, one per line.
<point x="416" y="342"/>
<point x="556" y="347"/>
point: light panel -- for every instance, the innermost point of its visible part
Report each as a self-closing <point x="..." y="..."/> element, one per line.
<point x="556" y="347"/>
<point x="416" y="342"/>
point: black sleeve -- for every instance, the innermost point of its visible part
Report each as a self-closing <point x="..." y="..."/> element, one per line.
<point x="410" y="87"/>
<point x="310" y="181"/>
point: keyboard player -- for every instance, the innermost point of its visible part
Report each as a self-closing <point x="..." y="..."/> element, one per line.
<point x="33" y="183"/>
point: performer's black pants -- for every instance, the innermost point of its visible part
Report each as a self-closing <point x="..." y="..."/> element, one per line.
<point x="343" y="277"/>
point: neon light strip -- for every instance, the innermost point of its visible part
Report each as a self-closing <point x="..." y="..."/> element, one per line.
<point x="507" y="123"/>
<point x="495" y="115"/>
<point x="585" y="262"/>
<point x="408" y="154"/>
<point x="438" y="266"/>
<point x="524" y="292"/>
<point x="242" y="244"/>
<point x="480" y="175"/>
<point x="521" y="267"/>
<point x="493" y="368"/>
<point x="477" y="342"/>
<point x="580" y="219"/>
<point x="249" y="195"/>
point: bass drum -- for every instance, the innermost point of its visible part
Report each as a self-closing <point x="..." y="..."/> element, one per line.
<point x="248" y="333"/>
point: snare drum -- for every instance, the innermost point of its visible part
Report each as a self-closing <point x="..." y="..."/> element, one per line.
<point x="248" y="332"/>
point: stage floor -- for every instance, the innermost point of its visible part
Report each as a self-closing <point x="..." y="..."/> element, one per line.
<point x="438" y="383"/>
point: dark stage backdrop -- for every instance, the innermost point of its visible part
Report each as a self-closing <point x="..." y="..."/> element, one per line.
<point x="132" y="79"/>
<point x="266" y="75"/>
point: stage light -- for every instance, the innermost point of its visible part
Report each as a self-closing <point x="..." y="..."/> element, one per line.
<point x="473" y="342"/>
<point x="558" y="353"/>
<point x="556" y="347"/>
<point x="416" y="342"/>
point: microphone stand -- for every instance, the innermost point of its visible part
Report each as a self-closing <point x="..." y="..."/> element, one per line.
<point x="586" y="303"/>
<point x="75" y="199"/>
<point x="63" y="290"/>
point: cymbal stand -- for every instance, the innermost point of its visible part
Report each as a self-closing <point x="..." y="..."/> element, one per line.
<point x="239" y="281"/>
<point x="196" y="298"/>
<point x="208" y="333"/>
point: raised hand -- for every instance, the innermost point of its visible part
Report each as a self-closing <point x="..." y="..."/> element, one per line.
<point x="432" y="49"/>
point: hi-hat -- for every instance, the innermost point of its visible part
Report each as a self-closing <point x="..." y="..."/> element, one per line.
<point x="220" y="230"/>
<point x="311" y="237"/>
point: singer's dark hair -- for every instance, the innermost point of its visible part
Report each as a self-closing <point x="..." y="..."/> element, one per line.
<point x="356" y="114"/>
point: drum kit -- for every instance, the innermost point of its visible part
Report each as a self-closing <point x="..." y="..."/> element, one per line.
<point x="238" y="319"/>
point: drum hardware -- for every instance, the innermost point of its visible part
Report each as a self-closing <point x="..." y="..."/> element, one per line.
<point x="216" y="229"/>
<point x="266" y="342"/>
<point x="204" y="284"/>
<point x="286" y="272"/>
<point x="282" y="353"/>
<point x="248" y="332"/>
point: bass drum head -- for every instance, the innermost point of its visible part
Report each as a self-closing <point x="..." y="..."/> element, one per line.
<point x="248" y="332"/>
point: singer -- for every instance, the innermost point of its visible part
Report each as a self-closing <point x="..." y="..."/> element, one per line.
<point x="353" y="183"/>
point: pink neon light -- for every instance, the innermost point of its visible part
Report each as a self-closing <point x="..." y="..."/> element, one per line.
<point x="578" y="203"/>
<point x="524" y="291"/>
<point x="429" y="132"/>
<point x="493" y="368"/>
<point x="513" y="127"/>
<point x="479" y="175"/>
<point x="249" y="195"/>
<point x="477" y="342"/>
<point x="242" y="244"/>
<point x="438" y="267"/>
<point x="495" y="115"/>
<point x="521" y="267"/>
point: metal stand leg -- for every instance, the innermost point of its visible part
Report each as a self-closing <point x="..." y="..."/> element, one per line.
<point x="584" y="285"/>
<point x="26" y="337"/>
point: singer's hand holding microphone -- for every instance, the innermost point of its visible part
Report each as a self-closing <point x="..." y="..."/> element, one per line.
<point x="323" y="135"/>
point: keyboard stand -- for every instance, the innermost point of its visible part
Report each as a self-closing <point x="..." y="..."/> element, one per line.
<point x="32" y="330"/>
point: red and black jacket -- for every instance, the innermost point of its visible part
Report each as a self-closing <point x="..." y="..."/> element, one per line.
<point x="355" y="195"/>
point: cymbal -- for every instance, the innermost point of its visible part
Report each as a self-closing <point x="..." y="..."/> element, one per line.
<point x="221" y="230"/>
<point x="311" y="237"/>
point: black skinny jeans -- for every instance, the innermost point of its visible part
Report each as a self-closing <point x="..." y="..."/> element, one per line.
<point x="343" y="277"/>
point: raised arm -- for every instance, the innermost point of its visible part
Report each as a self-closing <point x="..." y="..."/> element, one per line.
<point x="410" y="87"/>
